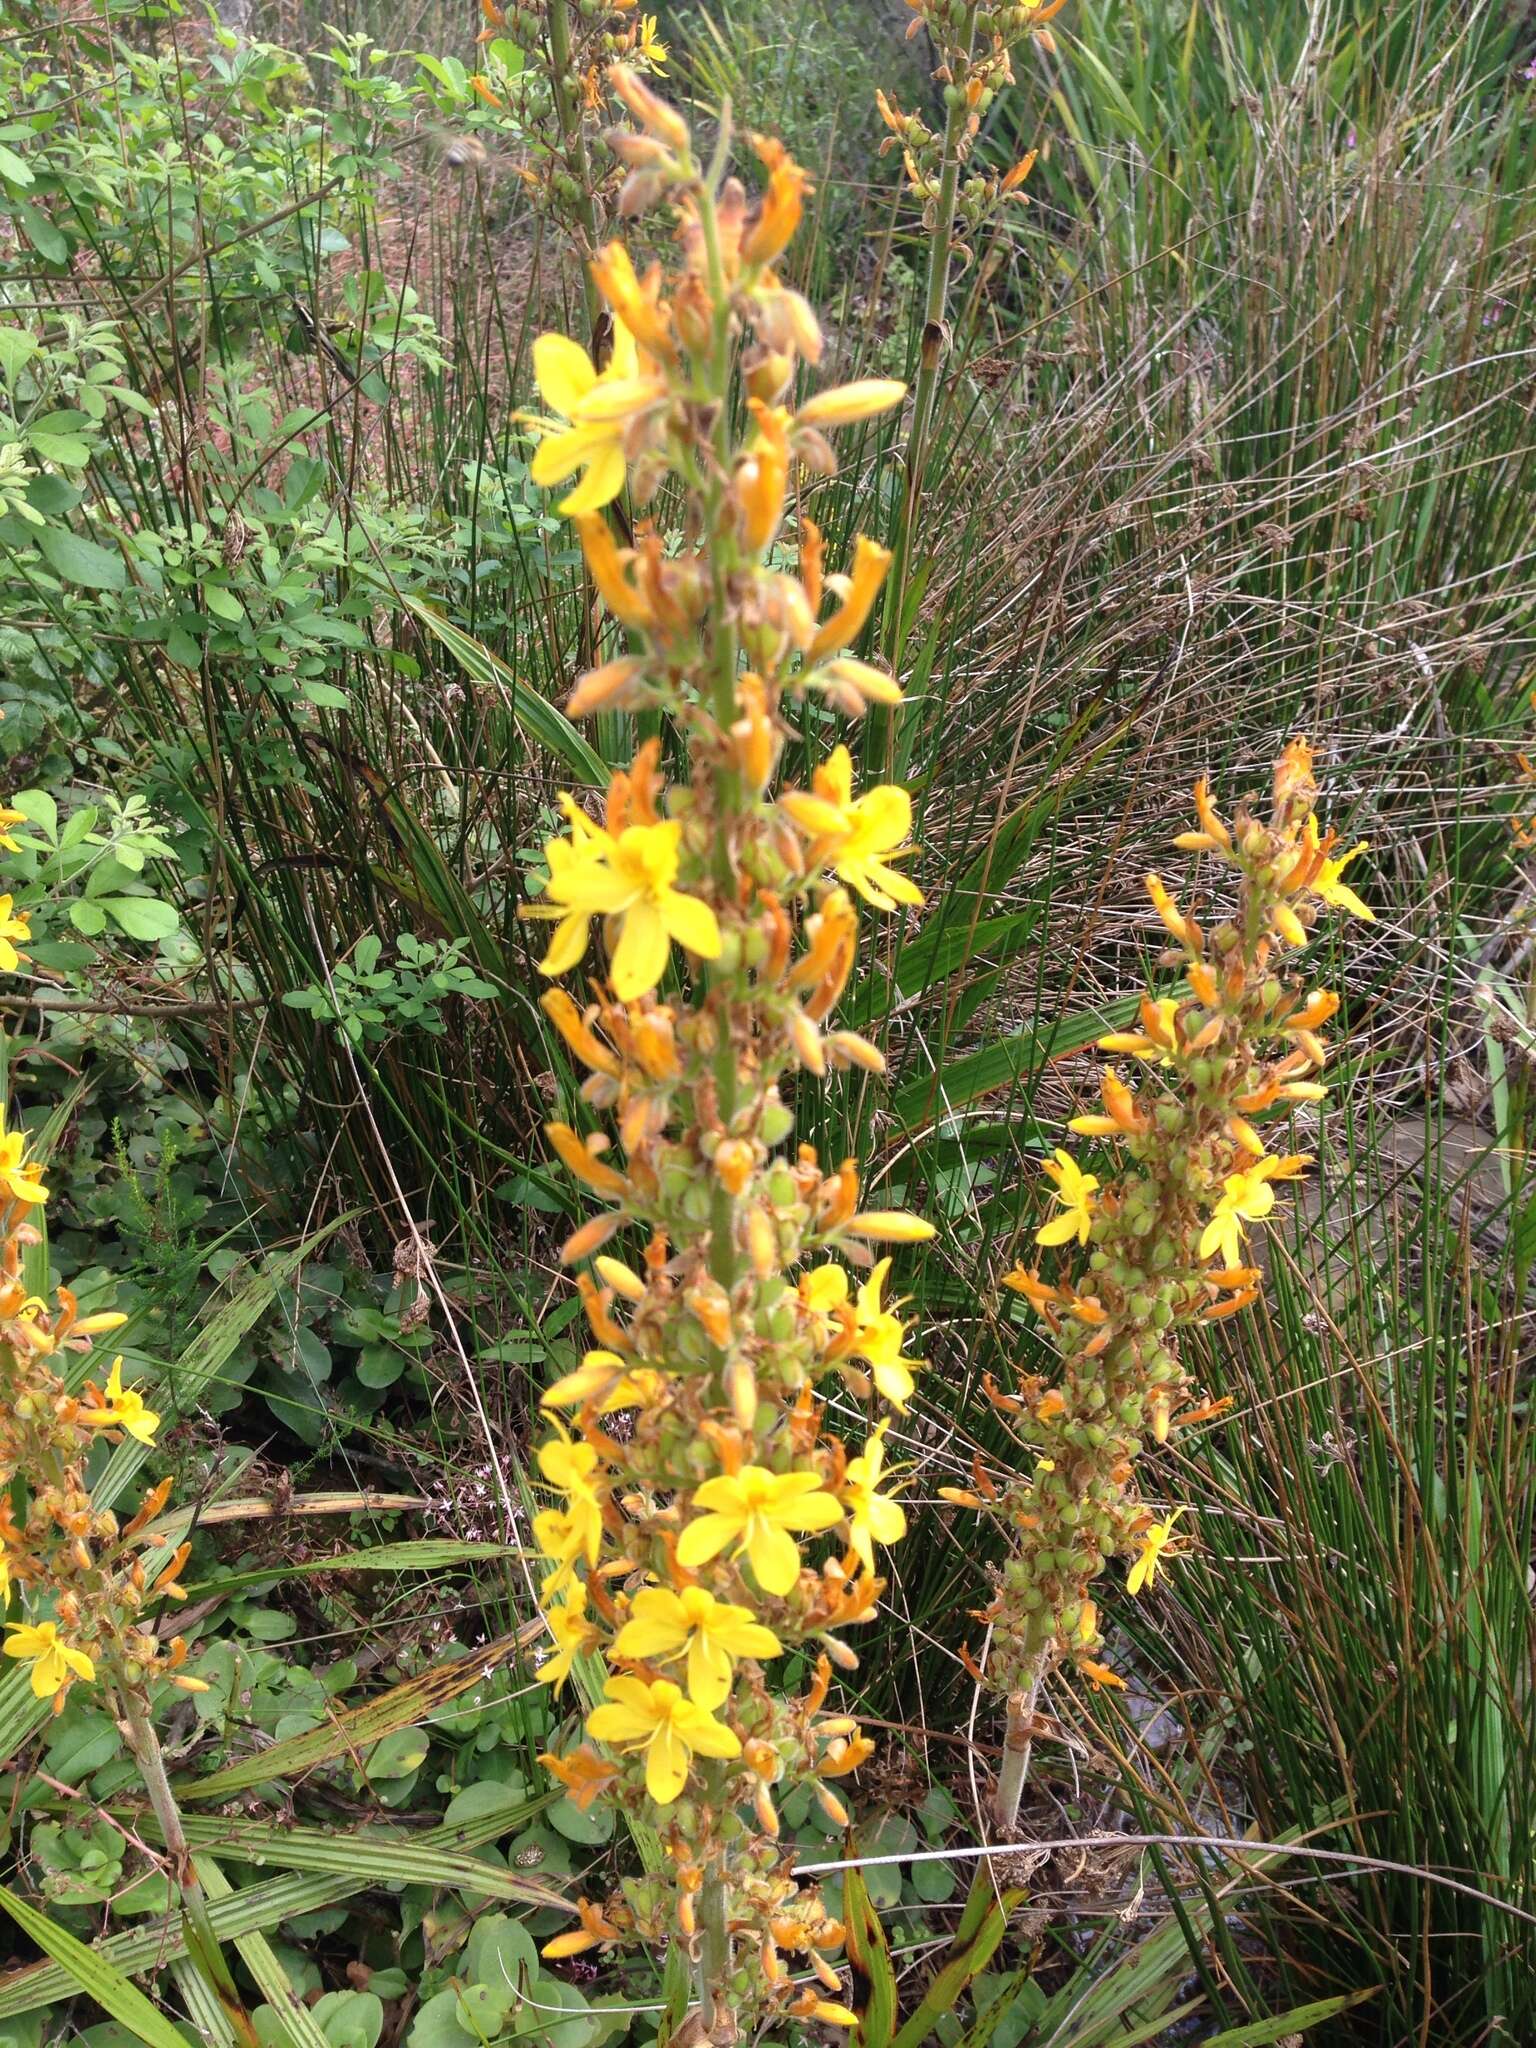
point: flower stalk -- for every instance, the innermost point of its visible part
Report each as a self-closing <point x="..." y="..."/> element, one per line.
<point x="1160" y="1246"/>
<point x="974" y="43"/>
<point x="705" y="1522"/>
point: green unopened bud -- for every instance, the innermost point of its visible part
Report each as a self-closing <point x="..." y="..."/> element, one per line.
<point x="776" y="1124"/>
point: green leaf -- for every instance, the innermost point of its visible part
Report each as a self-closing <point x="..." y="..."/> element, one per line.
<point x="398" y="1755"/>
<point x="874" y="1981"/>
<point x="325" y="695"/>
<point x="982" y="1927"/>
<point x="1004" y="1063"/>
<point x="17" y="348"/>
<point x="14" y="169"/>
<point x="1261" y="2033"/>
<point x="67" y="450"/>
<point x="90" y="1972"/>
<point x="400" y="1707"/>
<point x="81" y="561"/>
<point x="223" y="603"/>
<point x="421" y="1554"/>
<point x="141" y="917"/>
<point x="551" y="729"/>
<point x="345" y="1865"/>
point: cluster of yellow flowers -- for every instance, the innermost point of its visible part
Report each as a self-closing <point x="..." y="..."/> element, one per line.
<point x="78" y="1571"/>
<point x="695" y="1485"/>
<point x="975" y="45"/>
<point x="1166" y="1238"/>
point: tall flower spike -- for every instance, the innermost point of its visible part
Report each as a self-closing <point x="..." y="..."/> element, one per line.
<point x="1161" y="1243"/>
<point x="725" y="1526"/>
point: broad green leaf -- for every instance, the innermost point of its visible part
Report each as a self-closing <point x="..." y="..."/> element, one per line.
<point x="401" y="1707"/>
<point x="1263" y="2033"/>
<point x="81" y="561"/>
<point x="1005" y="1063"/>
<point x="68" y="451"/>
<point x="88" y="1970"/>
<point x="260" y="1908"/>
<point x="223" y="603"/>
<point x="422" y="1554"/>
<point x="140" y="917"/>
<point x="17" y="348"/>
<point x="874" y="1981"/>
<point x="14" y="169"/>
<point x="550" y="728"/>
<point x="982" y="1926"/>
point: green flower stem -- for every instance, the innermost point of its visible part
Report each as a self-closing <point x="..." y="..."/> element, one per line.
<point x="930" y="361"/>
<point x="1017" y="1738"/>
<point x="574" y="145"/>
<point x="714" y="1967"/>
<point x="202" y="1942"/>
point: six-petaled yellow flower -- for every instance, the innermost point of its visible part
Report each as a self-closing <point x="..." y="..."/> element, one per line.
<point x="1246" y="1197"/>
<point x="877" y="1335"/>
<point x="753" y="1511"/>
<point x="665" y="1627"/>
<point x="55" y="1664"/>
<point x="573" y="1633"/>
<point x="1075" y="1191"/>
<point x="648" y="45"/>
<point x="599" y="406"/>
<point x="1153" y="1543"/>
<point x="873" y="1517"/>
<point x="658" y="1717"/>
<point x="857" y="837"/>
<point x="626" y="877"/>
<point x="1326" y="882"/>
<point x="122" y="1408"/>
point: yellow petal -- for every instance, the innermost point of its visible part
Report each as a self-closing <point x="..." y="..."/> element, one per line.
<point x="600" y="486"/>
<point x="563" y="371"/>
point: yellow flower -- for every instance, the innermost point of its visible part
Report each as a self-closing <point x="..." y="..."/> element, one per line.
<point x="19" y="1176"/>
<point x="846" y="403"/>
<point x="1142" y="1043"/>
<point x="572" y="1632"/>
<point x="568" y="1465"/>
<point x="858" y="594"/>
<point x="564" y="1534"/>
<point x="857" y="837"/>
<point x="606" y="1380"/>
<point x="1153" y="1542"/>
<point x="8" y="818"/>
<point x="659" y="1718"/>
<point x="122" y="1408"/>
<point x="755" y="1509"/>
<point x="1247" y="1197"/>
<point x="627" y="877"/>
<point x="1326" y="883"/>
<point x="1074" y="1190"/>
<point x="877" y="1334"/>
<point x="665" y="1626"/>
<point x="649" y="46"/>
<point x="55" y="1664"/>
<point x="879" y="1339"/>
<point x="11" y="928"/>
<point x="599" y="406"/>
<point x="873" y="1517"/>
